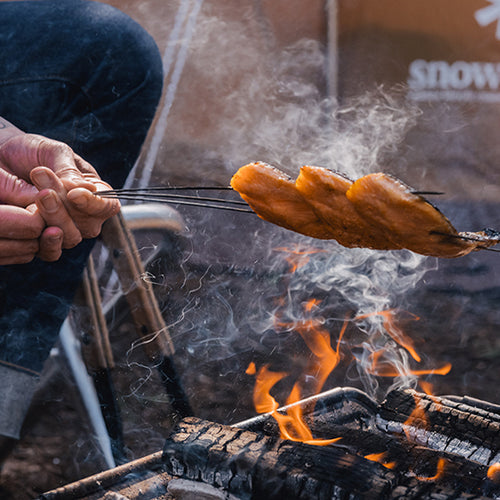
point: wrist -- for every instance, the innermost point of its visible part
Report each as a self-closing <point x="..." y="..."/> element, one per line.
<point x="8" y="130"/>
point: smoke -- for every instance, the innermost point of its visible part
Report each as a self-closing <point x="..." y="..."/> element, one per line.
<point x="348" y="283"/>
<point x="275" y="103"/>
<point x="352" y="138"/>
<point x="276" y="109"/>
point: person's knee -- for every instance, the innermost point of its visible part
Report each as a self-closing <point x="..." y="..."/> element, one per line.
<point x="125" y="46"/>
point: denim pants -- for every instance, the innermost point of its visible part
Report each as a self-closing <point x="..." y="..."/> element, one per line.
<point x="86" y="74"/>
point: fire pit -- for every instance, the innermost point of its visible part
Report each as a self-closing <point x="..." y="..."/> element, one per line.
<point x="342" y="443"/>
<point x="410" y="446"/>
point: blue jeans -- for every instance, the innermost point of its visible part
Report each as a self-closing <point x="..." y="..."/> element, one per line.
<point x="86" y="74"/>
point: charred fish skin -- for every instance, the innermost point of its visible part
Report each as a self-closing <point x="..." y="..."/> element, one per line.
<point x="273" y="197"/>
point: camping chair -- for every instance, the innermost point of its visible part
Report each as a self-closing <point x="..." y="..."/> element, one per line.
<point x="120" y="249"/>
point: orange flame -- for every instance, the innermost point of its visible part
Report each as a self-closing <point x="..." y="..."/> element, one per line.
<point x="418" y="417"/>
<point x="380" y="458"/>
<point x="252" y="369"/>
<point x="494" y="472"/>
<point x="439" y="471"/>
<point x="298" y="258"/>
<point x="386" y="368"/>
<point x="393" y="331"/>
<point x="326" y="358"/>
<point x="311" y="304"/>
<point x="292" y="425"/>
<point x="264" y="382"/>
<point x="317" y="339"/>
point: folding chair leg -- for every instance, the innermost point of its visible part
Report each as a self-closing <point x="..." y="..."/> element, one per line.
<point x="100" y="363"/>
<point x="144" y="308"/>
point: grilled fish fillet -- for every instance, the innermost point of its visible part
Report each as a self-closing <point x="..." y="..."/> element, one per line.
<point x="409" y="220"/>
<point x="272" y="196"/>
<point x="326" y="191"/>
<point x="376" y="211"/>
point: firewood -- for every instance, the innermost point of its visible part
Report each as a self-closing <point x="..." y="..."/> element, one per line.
<point x="254" y="465"/>
<point x="466" y="430"/>
<point x="250" y="465"/>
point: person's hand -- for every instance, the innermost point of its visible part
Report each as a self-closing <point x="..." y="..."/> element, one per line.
<point x="21" y="153"/>
<point x="78" y="212"/>
<point x="23" y="231"/>
<point x="66" y="183"/>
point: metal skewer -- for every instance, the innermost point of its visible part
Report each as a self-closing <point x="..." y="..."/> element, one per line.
<point x="428" y="193"/>
<point x="171" y="197"/>
<point x="466" y="238"/>
<point x="185" y="202"/>
<point x="165" y="188"/>
<point x="164" y="195"/>
<point x="206" y="188"/>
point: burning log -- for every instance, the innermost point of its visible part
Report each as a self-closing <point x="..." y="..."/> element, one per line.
<point x="250" y="465"/>
<point x="450" y="425"/>
<point x="350" y="414"/>
<point x="374" y="459"/>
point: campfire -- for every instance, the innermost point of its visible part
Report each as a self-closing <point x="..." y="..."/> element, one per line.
<point x="340" y="443"/>
<point x="410" y="446"/>
<point x="322" y="332"/>
<point x="313" y="368"/>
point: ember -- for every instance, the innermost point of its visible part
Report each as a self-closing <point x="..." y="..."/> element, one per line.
<point x="381" y="458"/>
<point x="439" y="473"/>
<point x="494" y="473"/>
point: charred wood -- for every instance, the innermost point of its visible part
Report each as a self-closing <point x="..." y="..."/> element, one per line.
<point x="345" y="406"/>
<point x="386" y="452"/>
<point x="452" y="426"/>
<point x="239" y="464"/>
<point x="141" y="479"/>
<point x="251" y="465"/>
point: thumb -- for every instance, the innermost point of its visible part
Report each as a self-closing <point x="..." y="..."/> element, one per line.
<point x="16" y="191"/>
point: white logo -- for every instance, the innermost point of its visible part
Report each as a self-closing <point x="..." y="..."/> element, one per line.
<point x="467" y="81"/>
<point x="457" y="81"/>
<point x="488" y="15"/>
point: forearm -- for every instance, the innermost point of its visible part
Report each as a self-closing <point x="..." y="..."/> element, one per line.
<point x="7" y="130"/>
